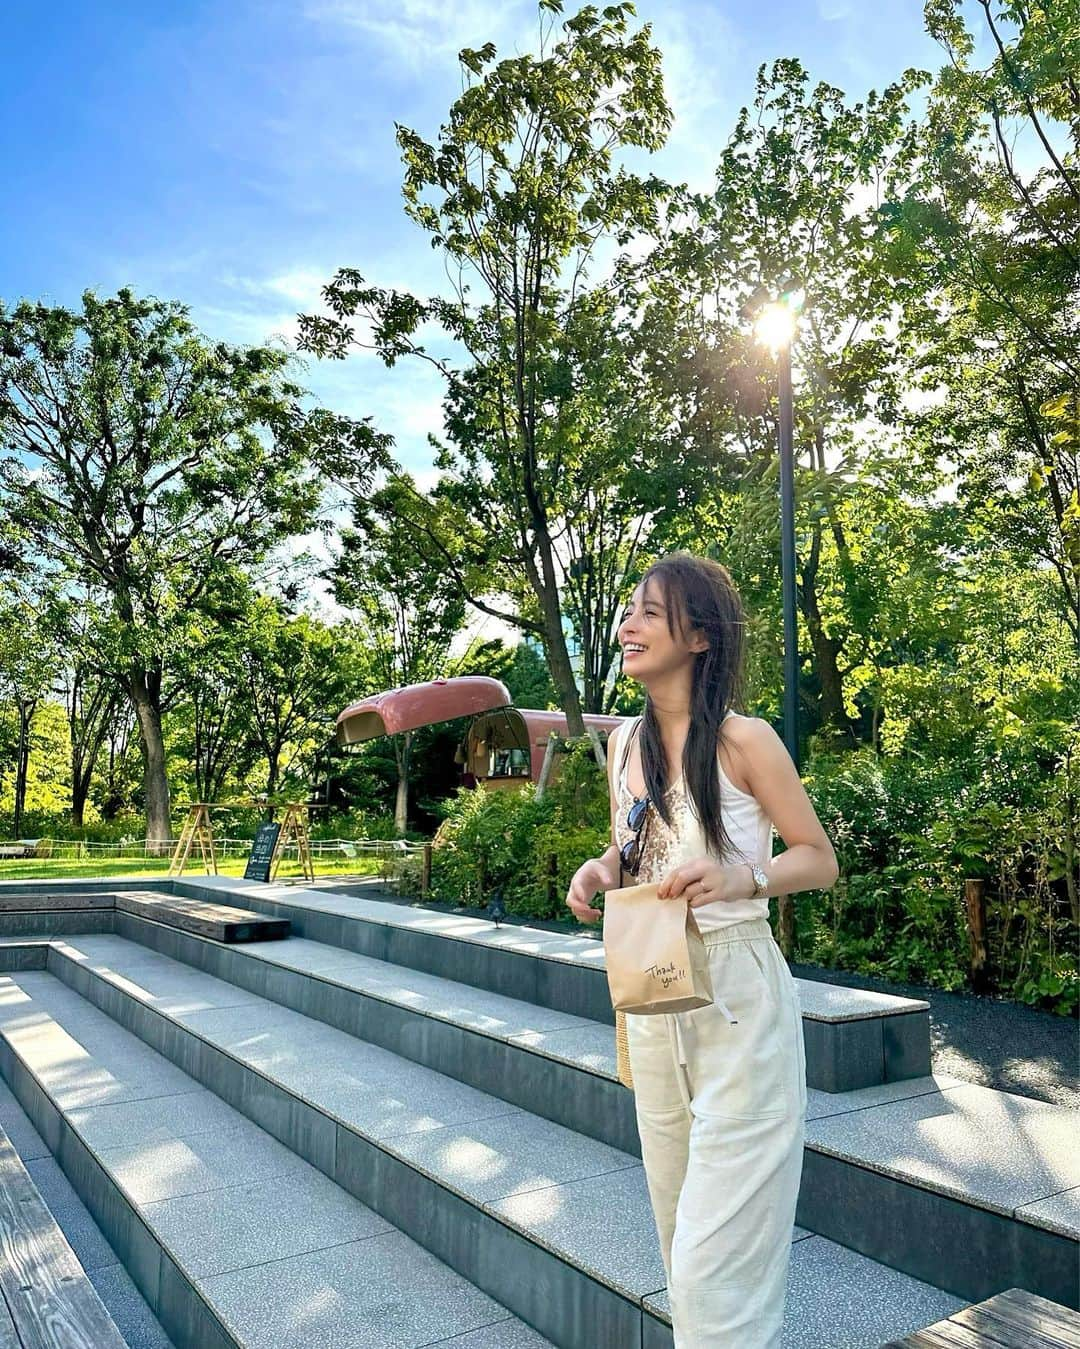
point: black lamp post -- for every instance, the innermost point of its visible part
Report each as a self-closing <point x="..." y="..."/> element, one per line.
<point x="775" y="326"/>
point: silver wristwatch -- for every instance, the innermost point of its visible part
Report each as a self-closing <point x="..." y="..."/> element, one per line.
<point x="761" y="881"/>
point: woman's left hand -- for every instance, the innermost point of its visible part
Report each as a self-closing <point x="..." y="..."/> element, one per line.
<point x="703" y="880"/>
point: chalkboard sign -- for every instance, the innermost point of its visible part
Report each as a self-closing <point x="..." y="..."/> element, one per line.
<point x="262" y="851"/>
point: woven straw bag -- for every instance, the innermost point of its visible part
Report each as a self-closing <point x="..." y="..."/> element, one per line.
<point x="622" y="1052"/>
<point x="622" y="1048"/>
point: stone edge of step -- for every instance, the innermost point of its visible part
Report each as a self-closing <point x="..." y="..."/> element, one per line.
<point x="327" y="977"/>
<point x="838" y="1153"/>
<point x="888" y="1004"/>
<point x="916" y="1182"/>
<point x="134" y="1211"/>
<point x="485" y="1208"/>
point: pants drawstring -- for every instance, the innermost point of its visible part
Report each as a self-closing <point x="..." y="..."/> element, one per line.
<point x="682" y="1072"/>
<point x="680" y="1043"/>
<point x="675" y="1033"/>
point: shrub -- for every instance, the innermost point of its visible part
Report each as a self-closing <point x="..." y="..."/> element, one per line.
<point x="907" y="833"/>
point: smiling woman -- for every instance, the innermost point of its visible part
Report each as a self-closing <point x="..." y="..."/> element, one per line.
<point x="720" y="1091"/>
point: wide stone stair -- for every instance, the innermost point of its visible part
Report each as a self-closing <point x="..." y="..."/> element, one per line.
<point x="401" y="1127"/>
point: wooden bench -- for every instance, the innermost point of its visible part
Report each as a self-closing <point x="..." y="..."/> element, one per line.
<point x="221" y="922"/>
<point x="1015" y="1319"/>
<point x="47" y="1299"/>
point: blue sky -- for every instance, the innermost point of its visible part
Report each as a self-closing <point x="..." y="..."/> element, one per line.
<point x="232" y="154"/>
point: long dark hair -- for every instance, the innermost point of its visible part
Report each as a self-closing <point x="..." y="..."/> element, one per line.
<point x="698" y="593"/>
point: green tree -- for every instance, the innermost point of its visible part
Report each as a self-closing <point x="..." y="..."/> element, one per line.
<point x="518" y="192"/>
<point x="796" y="205"/>
<point x="991" y="230"/>
<point x="527" y="678"/>
<point x="92" y="701"/>
<point x="147" y="461"/>
<point x="92" y="697"/>
<point x="213" y="716"/>
<point x="294" y="686"/>
<point x="408" y="611"/>
<point x="28" y="659"/>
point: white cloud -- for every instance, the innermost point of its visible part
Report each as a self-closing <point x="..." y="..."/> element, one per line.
<point x="421" y="417"/>
<point x="248" y="327"/>
<point x="258" y="316"/>
<point x="420" y="34"/>
<point x="706" y="81"/>
<point x="300" y="285"/>
<point x="487" y="627"/>
<point x="426" y="478"/>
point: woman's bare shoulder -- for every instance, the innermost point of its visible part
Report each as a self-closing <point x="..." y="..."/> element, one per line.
<point x="741" y="736"/>
<point x="741" y="730"/>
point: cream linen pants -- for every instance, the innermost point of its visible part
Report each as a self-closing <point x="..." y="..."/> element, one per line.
<point x="720" y="1094"/>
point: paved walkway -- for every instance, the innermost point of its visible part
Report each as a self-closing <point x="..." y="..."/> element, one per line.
<point x="991" y="1041"/>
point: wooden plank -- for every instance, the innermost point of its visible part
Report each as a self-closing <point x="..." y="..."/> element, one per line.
<point x="221" y="922"/>
<point x="948" y="1335"/>
<point x="50" y="1299"/>
<point x="1014" y="1324"/>
<point x="1015" y="1319"/>
<point x="1046" y="1316"/>
<point x="9" y="1338"/>
<point x="933" y="1337"/>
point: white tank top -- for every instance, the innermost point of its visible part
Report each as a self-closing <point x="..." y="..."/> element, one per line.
<point x="747" y="825"/>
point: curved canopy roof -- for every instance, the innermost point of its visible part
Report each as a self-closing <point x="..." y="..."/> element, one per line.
<point x="416" y="705"/>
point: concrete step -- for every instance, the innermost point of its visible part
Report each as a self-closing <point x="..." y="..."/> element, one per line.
<point x="994" y="1176"/>
<point x="232" y="1238"/>
<point x="133" y="1318"/>
<point x="547" y="1062"/>
<point x="854" y="1038"/>
<point x="556" y="1227"/>
<point x="46" y="1295"/>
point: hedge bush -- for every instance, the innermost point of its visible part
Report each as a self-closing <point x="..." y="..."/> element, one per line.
<point x="907" y="834"/>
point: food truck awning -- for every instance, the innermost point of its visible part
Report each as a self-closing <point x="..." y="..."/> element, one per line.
<point x="416" y="705"/>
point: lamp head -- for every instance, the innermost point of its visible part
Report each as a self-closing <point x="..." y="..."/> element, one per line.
<point x="775" y="326"/>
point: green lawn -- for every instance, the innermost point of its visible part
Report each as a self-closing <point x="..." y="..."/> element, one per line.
<point x="66" y="868"/>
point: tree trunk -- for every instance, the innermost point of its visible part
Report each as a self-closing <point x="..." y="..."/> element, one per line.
<point x="562" y="673"/>
<point x="22" y="763"/>
<point x="79" y="793"/>
<point x="145" y="692"/>
<point x="401" y="801"/>
<point x="273" y="762"/>
<point x="89" y="722"/>
<point x="1069" y="845"/>
<point x="558" y="657"/>
<point x="975" y="907"/>
<point x="83" y="759"/>
<point x="826" y="648"/>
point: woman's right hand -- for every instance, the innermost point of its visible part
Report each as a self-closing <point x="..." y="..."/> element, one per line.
<point x="591" y="876"/>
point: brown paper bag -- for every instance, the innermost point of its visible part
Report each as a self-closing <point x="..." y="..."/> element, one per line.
<point x="656" y="960"/>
